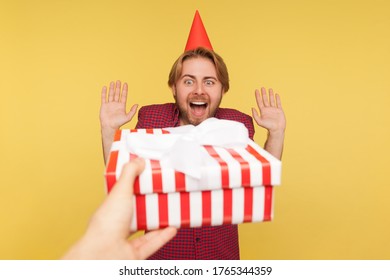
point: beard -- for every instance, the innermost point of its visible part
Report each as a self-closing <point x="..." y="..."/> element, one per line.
<point x="187" y="117"/>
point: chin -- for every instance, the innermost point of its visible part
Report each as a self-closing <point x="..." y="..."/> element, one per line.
<point x="197" y="121"/>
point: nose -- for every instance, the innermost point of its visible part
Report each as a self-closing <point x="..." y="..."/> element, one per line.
<point x="199" y="88"/>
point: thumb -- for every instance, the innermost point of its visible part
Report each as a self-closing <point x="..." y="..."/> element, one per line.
<point x="132" y="112"/>
<point x="130" y="171"/>
<point x="115" y="213"/>
<point x="256" y="117"/>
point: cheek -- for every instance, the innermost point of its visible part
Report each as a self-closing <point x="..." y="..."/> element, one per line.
<point x="180" y="98"/>
<point x="216" y="97"/>
<point x="182" y="94"/>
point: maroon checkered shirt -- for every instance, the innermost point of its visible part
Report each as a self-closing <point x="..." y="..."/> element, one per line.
<point x="212" y="242"/>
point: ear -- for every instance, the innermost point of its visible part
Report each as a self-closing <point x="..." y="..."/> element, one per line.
<point x="173" y="88"/>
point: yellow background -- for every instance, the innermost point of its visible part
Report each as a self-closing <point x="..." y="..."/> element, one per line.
<point x="329" y="60"/>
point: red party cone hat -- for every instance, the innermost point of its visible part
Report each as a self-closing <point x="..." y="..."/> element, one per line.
<point x="198" y="35"/>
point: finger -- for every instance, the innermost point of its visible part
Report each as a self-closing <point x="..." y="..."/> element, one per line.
<point x="271" y="97"/>
<point x="154" y="240"/>
<point x="130" y="171"/>
<point x="278" y="101"/>
<point x="121" y="193"/>
<point x="259" y="101"/>
<point x="139" y="242"/>
<point x="132" y="112"/>
<point x="256" y="116"/>
<point x="117" y="91"/>
<point x="264" y="96"/>
<point x="114" y="216"/>
<point x="123" y="97"/>
<point x="104" y="94"/>
<point x="111" y="92"/>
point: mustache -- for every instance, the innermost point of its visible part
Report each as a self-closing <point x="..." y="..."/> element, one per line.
<point x="198" y="99"/>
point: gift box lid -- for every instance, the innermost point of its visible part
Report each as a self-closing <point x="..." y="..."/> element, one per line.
<point x="216" y="156"/>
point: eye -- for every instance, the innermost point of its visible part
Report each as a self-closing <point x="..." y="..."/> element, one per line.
<point x="188" y="82"/>
<point x="209" y="82"/>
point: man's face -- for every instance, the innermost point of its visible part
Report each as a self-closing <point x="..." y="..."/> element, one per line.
<point x="198" y="92"/>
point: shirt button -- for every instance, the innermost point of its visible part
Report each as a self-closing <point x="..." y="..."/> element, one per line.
<point x="197" y="239"/>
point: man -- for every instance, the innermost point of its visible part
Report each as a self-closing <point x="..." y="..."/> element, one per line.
<point x="198" y="81"/>
<point x="108" y="232"/>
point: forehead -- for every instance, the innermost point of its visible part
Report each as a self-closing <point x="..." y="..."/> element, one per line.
<point x="199" y="67"/>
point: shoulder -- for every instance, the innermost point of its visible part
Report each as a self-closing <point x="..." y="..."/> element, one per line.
<point x="235" y="115"/>
<point x="157" y="116"/>
<point x="157" y="108"/>
<point x="232" y="114"/>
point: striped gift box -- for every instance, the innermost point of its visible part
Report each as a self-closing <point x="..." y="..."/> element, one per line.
<point x="235" y="186"/>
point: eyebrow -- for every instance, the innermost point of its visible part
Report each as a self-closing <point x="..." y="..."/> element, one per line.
<point x="193" y="77"/>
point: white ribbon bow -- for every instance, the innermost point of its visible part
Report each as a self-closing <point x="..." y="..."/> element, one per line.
<point x="182" y="150"/>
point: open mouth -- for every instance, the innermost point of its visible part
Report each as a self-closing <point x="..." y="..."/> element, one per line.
<point x="198" y="108"/>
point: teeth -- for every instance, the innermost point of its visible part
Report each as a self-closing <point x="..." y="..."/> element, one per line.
<point x="198" y="103"/>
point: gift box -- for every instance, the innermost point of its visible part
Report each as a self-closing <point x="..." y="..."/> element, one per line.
<point x="211" y="174"/>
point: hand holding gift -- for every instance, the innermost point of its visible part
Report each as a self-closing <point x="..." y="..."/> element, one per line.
<point x="108" y="232"/>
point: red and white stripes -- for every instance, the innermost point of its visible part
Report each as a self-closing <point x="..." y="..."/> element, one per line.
<point x="235" y="187"/>
<point x="202" y="208"/>
<point x="223" y="169"/>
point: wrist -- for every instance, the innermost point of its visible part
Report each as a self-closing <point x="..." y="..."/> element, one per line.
<point x="108" y="132"/>
<point x="279" y="134"/>
<point x="107" y="126"/>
